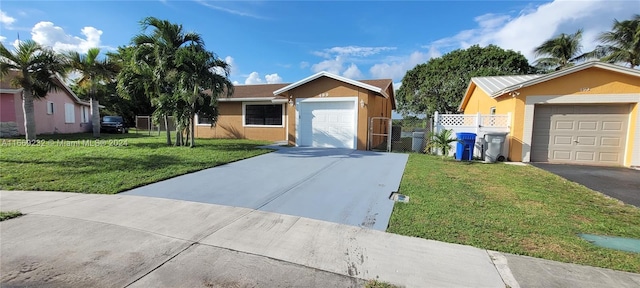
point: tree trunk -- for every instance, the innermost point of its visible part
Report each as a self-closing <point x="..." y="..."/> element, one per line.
<point x="193" y="128"/>
<point x="166" y="126"/>
<point x="29" y="116"/>
<point x="178" y="137"/>
<point x="95" y="117"/>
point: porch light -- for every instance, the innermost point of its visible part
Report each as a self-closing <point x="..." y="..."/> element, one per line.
<point x="290" y="102"/>
<point x="361" y="103"/>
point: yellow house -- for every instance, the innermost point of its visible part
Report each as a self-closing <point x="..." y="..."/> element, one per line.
<point x="586" y="114"/>
<point x="322" y="110"/>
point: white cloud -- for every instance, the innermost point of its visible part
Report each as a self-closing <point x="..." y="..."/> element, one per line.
<point x="236" y="82"/>
<point x="254" y="78"/>
<point x="357" y="51"/>
<point x="47" y="34"/>
<point x="2" y="38"/>
<point x="397" y="68"/>
<point x="352" y="72"/>
<point x="273" y="78"/>
<point x="232" y="64"/>
<point x="334" y="66"/>
<point x="6" y="19"/>
<point x="536" y="24"/>
<point x="230" y="11"/>
<point x="304" y="64"/>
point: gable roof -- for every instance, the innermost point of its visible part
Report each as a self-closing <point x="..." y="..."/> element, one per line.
<point x="6" y="87"/>
<point x="365" y="84"/>
<point x="496" y="86"/>
<point x="254" y="92"/>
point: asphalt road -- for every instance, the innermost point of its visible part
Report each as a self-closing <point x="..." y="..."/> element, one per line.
<point x="617" y="182"/>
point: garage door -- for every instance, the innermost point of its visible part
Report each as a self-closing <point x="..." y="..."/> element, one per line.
<point x="327" y="124"/>
<point x="585" y="134"/>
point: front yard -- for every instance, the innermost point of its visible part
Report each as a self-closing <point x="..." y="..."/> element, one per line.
<point x="114" y="163"/>
<point x="515" y="209"/>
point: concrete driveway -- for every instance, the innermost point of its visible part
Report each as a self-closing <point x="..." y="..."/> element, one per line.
<point x="337" y="185"/>
<point x="617" y="182"/>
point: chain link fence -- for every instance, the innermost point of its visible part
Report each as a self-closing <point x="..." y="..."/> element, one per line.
<point x="410" y="135"/>
<point x="144" y="124"/>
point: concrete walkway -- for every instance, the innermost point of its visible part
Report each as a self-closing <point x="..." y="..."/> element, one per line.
<point x="83" y="240"/>
<point x="338" y="185"/>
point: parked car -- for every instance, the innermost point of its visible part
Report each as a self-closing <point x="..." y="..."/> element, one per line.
<point x="114" y="124"/>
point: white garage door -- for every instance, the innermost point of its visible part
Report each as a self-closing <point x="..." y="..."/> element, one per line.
<point x="587" y="134"/>
<point x="327" y="124"/>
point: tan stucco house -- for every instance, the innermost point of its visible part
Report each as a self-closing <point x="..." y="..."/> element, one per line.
<point x="322" y="110"/>
<point x="586" y="114"/>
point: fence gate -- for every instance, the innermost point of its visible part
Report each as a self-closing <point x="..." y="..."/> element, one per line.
<point x="379" y="134"/>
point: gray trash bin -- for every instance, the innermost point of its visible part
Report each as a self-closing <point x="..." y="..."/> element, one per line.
<point x="417" y="143"/>
<point x="494" y="143"/>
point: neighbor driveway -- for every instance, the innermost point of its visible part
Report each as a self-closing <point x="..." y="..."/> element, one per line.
<point x="338" y="185"/>
<point x="617" y="182"/>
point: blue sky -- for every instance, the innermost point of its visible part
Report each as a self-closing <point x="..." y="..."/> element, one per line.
<point x="285" y="41"/>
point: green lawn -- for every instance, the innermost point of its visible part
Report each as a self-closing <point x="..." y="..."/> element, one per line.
<point x="115" y="163"/>
<point x="6" y="215"/>
<point x="515" y="209"/>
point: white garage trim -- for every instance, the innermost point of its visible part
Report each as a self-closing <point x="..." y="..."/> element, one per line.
<point x="529" y="109"/>
<point x="329" y="99"/>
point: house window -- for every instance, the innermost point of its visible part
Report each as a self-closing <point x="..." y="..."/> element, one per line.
<point x="49" y="107"/>
<point x="84" y="114"/>
<point x="263" y="114"/>
<point x="492" y="110"/>
<point x="203" y="120"/>
<point x="69" y="113"/>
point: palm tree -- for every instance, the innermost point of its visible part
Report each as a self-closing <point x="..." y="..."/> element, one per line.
<point x="202" y="77"/>
<point x="622" y="43"/>
<point x="93" y="72"/>
<point x="157" y="52"/>
<point x="560" y="52"/>
<point x="36" y="68"/>
<point x="440" y="141"/>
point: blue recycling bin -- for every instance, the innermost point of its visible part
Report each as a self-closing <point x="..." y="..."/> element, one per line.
<point x="465" y="146"/>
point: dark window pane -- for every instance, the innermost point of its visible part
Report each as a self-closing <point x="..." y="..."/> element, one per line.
<point x="204" y="120"/>
<point x="263" y="115"/>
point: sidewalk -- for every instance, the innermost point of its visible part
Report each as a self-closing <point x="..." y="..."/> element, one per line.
<point x="68" y="239"/>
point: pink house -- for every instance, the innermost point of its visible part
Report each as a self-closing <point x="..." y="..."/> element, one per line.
<point x="60" y="112"/>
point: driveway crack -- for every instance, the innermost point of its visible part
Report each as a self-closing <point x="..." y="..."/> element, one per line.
<point x="299" y="183"/>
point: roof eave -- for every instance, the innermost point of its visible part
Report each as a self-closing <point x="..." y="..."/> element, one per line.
<point x="247" y="99"/>
<point x="11" y="91"/>
<point x="333" y="76"/>
<point x="564" y="72"/>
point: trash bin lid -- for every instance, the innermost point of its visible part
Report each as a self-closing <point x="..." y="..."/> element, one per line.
<point x="465" y="136"/>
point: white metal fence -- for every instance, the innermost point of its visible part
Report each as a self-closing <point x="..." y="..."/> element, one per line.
<point x="474" y="123"/>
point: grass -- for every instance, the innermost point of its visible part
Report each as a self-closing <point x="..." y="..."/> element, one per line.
<point x="515" y="209"/>
<point x="112" y="164"/>
<point x="378" y="284"/>
<point x="6" y="215"/>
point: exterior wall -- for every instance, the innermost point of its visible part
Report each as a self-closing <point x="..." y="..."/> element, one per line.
<point x="45" y="123"/>
<point x="328" y="87"/>
<point x="229" y="125"/>
<point x="8" y="114"/>
<point x="7" y="107"/>
<point x="480" y="102"/>
<point x="593" y="83"/>
<point x="633" y="139"/>
<point x="55" y="123"/>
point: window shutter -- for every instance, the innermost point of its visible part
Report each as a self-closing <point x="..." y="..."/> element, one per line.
<point x="69" y="113"/>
